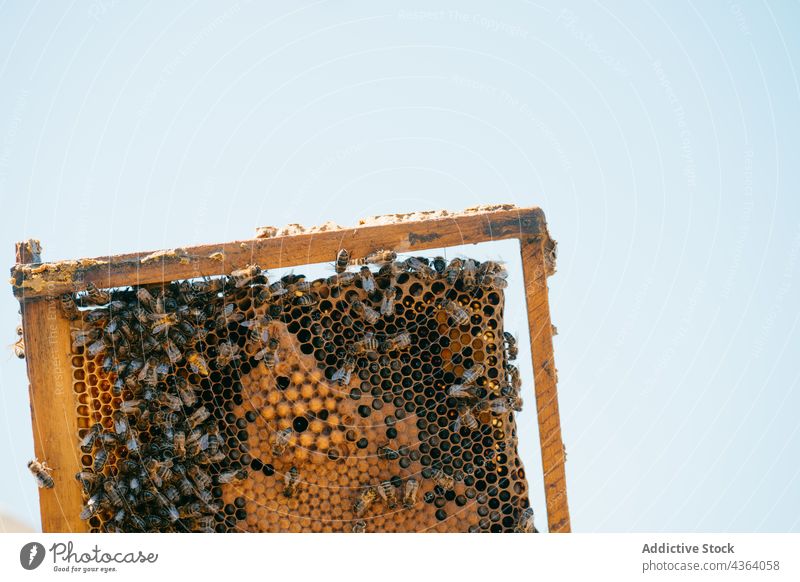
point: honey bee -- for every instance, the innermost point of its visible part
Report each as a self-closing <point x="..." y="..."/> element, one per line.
<point x="514" y="402"/>
<point x="187" y="329"/>
<point x="511" y="346"/>
<point x="113" y="493"/>
<point x="244" y="276"/>
<point x="343" y="374"/>
<point x="229" y="476"/>
<point x="95" y="296"/>
<point x="420" y="267"/>
<point x="306" y="299"/>
<point x="439" y="265"/>
<point x="227" y="315"/>
<point x="214" y="440"/>
<point x="170" y="401"/>
<point x="169" y="511"/>
<point x="453" y="270"/>
<point x="380" y="257"/>
<point x="131" y="406"/>
<point x="365" y="311"/>
<point x="443" y="480"/>
<point x="469" y="274"/>
<point x="93" y="505"/>
<point x="41" y="472"/>
<point x="282" y="440"/>
<point x="191" y="510"/>
<point x="525" y="522"/>
<point x="226" y="353"/>
<point x="365" y="499"/>
<point x="461" y="391"/>
<point x="360" y="526"/>
<point x="107" y="439"/>
<point x="179" y="335"/>
<point x="342" y="260"/>
<point x="410" y="490"/>
<point x="118" y="328"/>
<point x="471" y="376"/>
<point x="159" y="471"/>
<point x="197" y="363"/>
<point x="514" y="377"/>
<point x="186" y="391"/>
<point x="390" y="271"/>
<point x="387" y="303"/>
<point x="172" y="351"/>
<point x="207" y="286"/>
<point x="388" y="494"/>
<point x="367" y="279"/>
<point x="457" y="314"/>
<point x="494" y="282"/>
<point x="145" y="298"/>
<point x="499" y="406"/>
<point x="293" y="279"/>
<point x="141" y="316"/>
<point x="367" y="344"/>
<point x="341" y="279"/>
<point x="100" y="460"/>
<point x="268" y="354"/>
<point x="399" y="341"/>
<point x="120" y="423"/>
<point x="68" y="306"/>
<point x="291" y="482"/>
<point x="387" y="453"/>
<point x="96" y="348"/>
<point x="258" y="328"/>
<point x="96" y="317"/>
<point x="162" y="322"/>
<point x="179" y="443"/>
<point x="88" y="480"/>
<point x="197" y="442"/>
<point x="19" y="345"/>
<point x="278" y="289"/>
<point x="87" y="442"/>
<point x="132" y="442"/>
<point x="465" y="419"/>
<point x="185" y="486"/>
<point x="81" y="338"/>
<point x="198" y="416"/>
<point x="203" y="524"/>
<point x="491" y="268"/>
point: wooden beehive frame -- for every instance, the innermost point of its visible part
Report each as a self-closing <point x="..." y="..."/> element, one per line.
<point x="37" y="285"/>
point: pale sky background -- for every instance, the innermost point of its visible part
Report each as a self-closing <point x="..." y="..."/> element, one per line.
<point x="660" y="138"/>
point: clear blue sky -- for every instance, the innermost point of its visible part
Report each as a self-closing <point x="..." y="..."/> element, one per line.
<point x="661" y="139"/>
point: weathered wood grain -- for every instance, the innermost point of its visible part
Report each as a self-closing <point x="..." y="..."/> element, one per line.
<point x="53" y="416"/>
<point x="535" y="270"/>
<point x="276" y="252"/>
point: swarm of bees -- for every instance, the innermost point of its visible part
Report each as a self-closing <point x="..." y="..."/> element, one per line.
<point x="162" y="482"/>
<point x="159" y="461"/>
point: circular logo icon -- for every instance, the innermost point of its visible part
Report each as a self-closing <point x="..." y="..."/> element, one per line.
<point x="31" y="555"/>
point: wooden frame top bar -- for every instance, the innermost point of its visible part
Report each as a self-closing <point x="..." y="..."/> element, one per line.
<point x="402" y="233"/>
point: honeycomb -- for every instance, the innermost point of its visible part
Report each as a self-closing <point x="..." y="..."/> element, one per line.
<point x="380" y="399"/>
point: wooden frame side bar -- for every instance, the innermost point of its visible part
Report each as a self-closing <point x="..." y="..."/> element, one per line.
<point x="53" y="415"/>
<point x="535" y="269"/>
